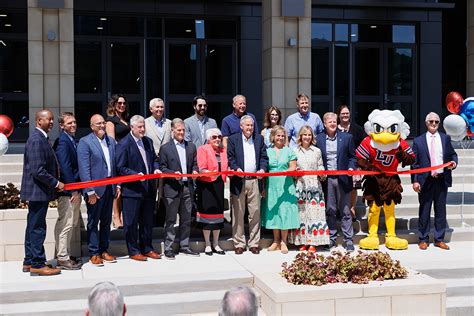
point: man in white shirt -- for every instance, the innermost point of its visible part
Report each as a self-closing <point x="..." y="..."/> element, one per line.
<point x="433" y="148"/>
<point x="246" y="151"/>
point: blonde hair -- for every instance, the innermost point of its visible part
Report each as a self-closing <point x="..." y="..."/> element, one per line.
<point x="276" y="129"/>
<point x="304" y="130"/>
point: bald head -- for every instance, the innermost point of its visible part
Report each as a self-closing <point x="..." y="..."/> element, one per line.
<point x="98" y="125"/>
<point x="44" y="120"/>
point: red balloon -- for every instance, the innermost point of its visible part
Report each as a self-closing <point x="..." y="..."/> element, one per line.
<point x="6" y="125"/>
<point x="454" y="102"/>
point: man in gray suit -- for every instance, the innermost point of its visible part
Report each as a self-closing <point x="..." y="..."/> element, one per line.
<point x="157" y="127"/>
<point x="199" y="123"/>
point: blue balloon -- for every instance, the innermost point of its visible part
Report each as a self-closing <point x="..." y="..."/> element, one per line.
<point x="467" y="113"/>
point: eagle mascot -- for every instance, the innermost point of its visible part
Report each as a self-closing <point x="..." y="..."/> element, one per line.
<point x="382" y="151"/>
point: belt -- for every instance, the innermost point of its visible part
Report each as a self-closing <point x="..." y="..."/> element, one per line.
<point x="185" y="182"/>
<point x="249" y="178"/>
<point x="438" y="175"/>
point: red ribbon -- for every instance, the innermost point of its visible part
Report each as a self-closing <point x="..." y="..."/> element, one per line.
<point x="297" y="173"/>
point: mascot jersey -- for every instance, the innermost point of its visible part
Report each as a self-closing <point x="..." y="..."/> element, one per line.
<point x="385" y="161"/>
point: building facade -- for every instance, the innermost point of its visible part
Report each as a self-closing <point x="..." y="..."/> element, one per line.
<point x="70" y="55"/>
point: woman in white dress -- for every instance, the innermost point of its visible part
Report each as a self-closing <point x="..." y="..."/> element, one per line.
<point x="313" y="230"/>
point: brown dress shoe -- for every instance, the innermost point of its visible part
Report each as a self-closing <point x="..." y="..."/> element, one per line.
<point x="97" y="261"/>
<point x="239" y="250"/>
<point x="108" y="258"/>
<point x="26" y="268"/>
<point x="153" y="255"/>
<point x="442" y="245"/>
<point x="68" y="265"/>
<point x="138" y="257"/>
<point x="423" y="245"/>
<point x="255" y="250"/>
<point x="44" y="271"/>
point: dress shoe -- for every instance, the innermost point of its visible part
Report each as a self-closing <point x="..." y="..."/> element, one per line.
<point x="68" y="265"/>
<point x="423" y="245"/>
<point x="97" y="261"/>
<point x="442" y="245"/>
<point x="274" y="246"/>
<point x="312" y="249"/>
<point x="208" y="251"/>
<point x="26" y="268"/>
<point x="254" y="250"/>
<point x="138" y="257"/>
<point x="153" y="255"/>
<point x="189" y="252"/>
<point x="349" y="247"/>
<point x="76" y="259"/>
<point x="44" y="271"/>
<point x="170" y="255"/>
<point x="239" y="250"/>
<point x="283" y="247"/>
<point x="218" y="250"/>
<point x="107" y="257"/>
<point x="332" y="244"/>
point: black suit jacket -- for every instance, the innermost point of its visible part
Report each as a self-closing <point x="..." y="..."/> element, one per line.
<point x="170" y="163"/>
<point x="66" y="153"/>
<point x="235" y="155"/>
<point x="129" y="161"/>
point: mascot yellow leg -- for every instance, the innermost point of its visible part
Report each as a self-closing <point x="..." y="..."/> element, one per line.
<point x="391" y="240"/>
<point x="371" y="242"/>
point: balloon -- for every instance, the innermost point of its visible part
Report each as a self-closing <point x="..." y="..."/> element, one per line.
<point x="455" y="126"/>
<point x="467" y="113"/>
<point x="6" y="125"/>
<point x="3" y="144"/>
<point x="454" y="102"/>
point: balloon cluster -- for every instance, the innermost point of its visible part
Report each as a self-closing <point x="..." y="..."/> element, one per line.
<point x="461" y="123"/>
<point x="6" y="129"/>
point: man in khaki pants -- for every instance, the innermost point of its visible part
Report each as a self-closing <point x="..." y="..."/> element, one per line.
<point x="246" y="151"/>
<point x="69" y="202"/>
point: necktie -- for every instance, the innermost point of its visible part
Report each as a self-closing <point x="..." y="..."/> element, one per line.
<point x="433" y="154"/>
<point x="141" y="148"/>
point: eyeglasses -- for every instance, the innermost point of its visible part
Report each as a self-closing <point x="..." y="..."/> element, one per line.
<point x="121" y="103"/>
<point x="216" y="137"/>
<point x="433" y="122"/>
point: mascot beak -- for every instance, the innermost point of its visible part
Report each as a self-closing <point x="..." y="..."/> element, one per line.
<point x="385" y="138"/>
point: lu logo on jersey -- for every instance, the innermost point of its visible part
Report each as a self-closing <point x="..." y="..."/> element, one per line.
<point x="384" y="159"/>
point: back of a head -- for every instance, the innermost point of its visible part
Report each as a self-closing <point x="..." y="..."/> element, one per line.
<point x="239" y="301"/>
<point x="105" y="299"/>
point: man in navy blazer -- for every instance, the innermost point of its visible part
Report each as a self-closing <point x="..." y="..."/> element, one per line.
<point x="178" y="156"/>
<point x="433" y="149"/>
<point x="338" y="153"/>
<point x="39" y="183"/>
<point x="69" y="202"/>
<point x="96" y="159"/>
<point x="246" y="151"/>
<point x="136" y="155"/>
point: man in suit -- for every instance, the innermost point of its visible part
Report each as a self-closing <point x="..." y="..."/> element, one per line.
<point x="338" y="153"/>
<point x="39" y="183"/>
<point x="69" y="202"/>
<point x="96" y="160"/>
<point x="135" y="155"/>
<point x="178" y="156"/>
<point x="246" y="152"/>
<point x="432" y="149"/>
<point x="199" y="123"/>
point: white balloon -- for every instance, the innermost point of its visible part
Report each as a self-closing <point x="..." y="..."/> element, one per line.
<point x="3" y="144"/>
<point x="455" y="126"/>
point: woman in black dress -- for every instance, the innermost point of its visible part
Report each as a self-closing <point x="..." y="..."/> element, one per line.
<point x="117" y="128"/>
<point x="344" y="124"/>
<point x="210" y="190"/>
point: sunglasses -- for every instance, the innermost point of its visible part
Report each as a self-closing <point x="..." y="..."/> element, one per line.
<point x="120" y="103"/>
<point x="202" y="105"/>
<point x="216" y="137"/>
<point x="433" y="122"/>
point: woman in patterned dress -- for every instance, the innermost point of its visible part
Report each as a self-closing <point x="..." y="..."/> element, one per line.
<point x="313" y="229"/>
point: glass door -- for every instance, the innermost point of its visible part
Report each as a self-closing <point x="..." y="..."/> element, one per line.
<point x="384" y="78"/>
<point x="200" y="67"/>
